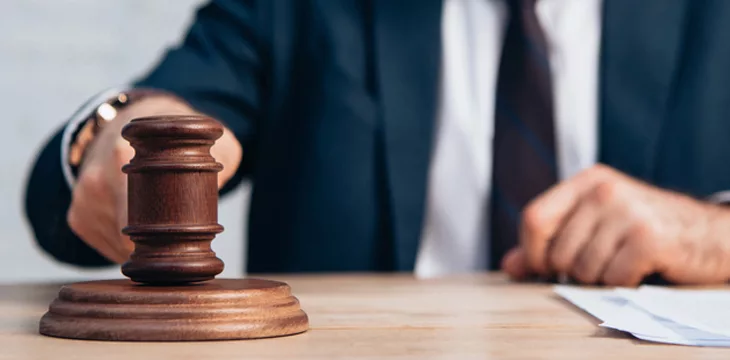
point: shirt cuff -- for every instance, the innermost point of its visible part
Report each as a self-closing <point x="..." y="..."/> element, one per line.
<point x="721" y="197"/>
<point x="75" y="122"/>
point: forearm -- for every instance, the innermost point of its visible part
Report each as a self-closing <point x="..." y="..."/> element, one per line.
<point x="49" y="194"/>
<point x="207" y="73"/>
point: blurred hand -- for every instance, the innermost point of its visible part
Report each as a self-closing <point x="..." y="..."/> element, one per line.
<point x="604" y="227"/>
<point x="98" y="208"/>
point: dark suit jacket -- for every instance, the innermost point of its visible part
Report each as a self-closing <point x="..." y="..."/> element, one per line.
<point x="334" y="103"/>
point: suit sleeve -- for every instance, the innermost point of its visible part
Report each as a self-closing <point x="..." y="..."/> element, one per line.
<point x="218" y="69"/>
<point x="215" y="69"/>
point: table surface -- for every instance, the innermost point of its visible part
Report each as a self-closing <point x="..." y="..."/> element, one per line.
<point x="373" y="316"/>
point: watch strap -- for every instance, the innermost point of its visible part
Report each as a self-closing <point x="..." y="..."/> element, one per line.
<point x="89" y="119"/>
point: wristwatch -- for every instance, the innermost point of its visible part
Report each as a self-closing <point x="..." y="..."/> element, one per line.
<point x="88" y="121"/>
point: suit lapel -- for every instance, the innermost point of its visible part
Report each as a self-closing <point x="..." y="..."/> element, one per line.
<point x="641" y="49"/>
<point x="407" y="45"/>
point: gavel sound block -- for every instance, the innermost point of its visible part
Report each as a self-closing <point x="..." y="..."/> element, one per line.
<point x="172" y="293"/>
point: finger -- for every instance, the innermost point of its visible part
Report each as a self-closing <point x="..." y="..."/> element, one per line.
<point x="571" y="238"/>
<point x="123" y="244"/>
<point x="112" y="241"/>
<point x="514" y="264"/>
<point x="108" y="233"/>
<point x="122" y="154"/>
<point x="91" y="220"/>
<point x="102" y="200"/>
<point x="97" y="242"/>
<point x="99" y="233"/>
<point x="629" y="266"/>
<point x="593" y="259"/>
<point x="120" y="243"/>
<point x="93" y="236"/>
<point x="116" y="188"/>
<point x="546" y="214"/>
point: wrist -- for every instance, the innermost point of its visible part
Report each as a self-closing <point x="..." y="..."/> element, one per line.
<point x="107" y="109"/>
<point x="227" y="150"/>
<point x="74" y="127"/>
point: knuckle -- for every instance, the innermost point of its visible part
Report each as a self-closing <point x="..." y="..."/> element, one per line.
<point x="629" y="276"/>
<point x="600" y="171"/>
<point x="644" y="251"/>
<point x="583" y="277"/>
<point x="122" y="153"/>
<point x="532" y="218"/>
<point x="641" y="233"/>
<point x="599" y="168"/>
<point x="558" y="261"/>
<point x="613" y="279"/>
<point x="582" y="271"/>
<point x="605" y="192"/>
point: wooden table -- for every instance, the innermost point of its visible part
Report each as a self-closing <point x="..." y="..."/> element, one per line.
<point x="378" y="317"/>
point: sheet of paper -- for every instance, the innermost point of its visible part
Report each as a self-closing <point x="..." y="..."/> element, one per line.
<point x="707" y="310"/>
<point x="616" y="310"/>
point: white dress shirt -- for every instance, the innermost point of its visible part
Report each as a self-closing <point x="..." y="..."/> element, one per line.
<point x="456" y="229"/>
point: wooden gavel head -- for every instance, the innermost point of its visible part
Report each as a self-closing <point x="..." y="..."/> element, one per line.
<point x="173" y="294"/>
<point x="172" y="199"/>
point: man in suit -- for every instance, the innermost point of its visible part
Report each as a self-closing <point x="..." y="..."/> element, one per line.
<point x="580" y="138"/>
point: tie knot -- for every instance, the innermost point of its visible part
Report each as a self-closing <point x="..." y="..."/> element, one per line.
<point x="516" y="5"/>
<point x="523" y="15"/>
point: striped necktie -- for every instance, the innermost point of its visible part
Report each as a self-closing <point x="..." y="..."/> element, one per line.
<point x="524" y="146"/>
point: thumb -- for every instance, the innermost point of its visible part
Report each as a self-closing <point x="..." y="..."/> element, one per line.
<point x="515" y="264"/>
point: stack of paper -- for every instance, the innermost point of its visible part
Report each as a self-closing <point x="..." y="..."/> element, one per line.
<point x="665" y="315"/>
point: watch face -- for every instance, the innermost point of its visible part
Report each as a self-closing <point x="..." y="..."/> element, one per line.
<point x="78" y="147"/>
<point x="106" y="112"/>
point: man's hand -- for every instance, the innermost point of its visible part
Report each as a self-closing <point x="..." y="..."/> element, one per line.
<point x="98" y="208"/>
<point x="604" y="227"/>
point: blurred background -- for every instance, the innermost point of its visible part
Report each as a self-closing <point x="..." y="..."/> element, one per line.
<point x="54" y="55"/>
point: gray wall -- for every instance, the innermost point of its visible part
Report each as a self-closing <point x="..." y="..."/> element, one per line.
<point x="54" y="54"/>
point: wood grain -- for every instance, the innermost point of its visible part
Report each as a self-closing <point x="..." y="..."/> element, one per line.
<point x="173" y="218"/>
<point x="172" y="199"/>
<point x="373" y="317"/>
<point x="223" y="309"/>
